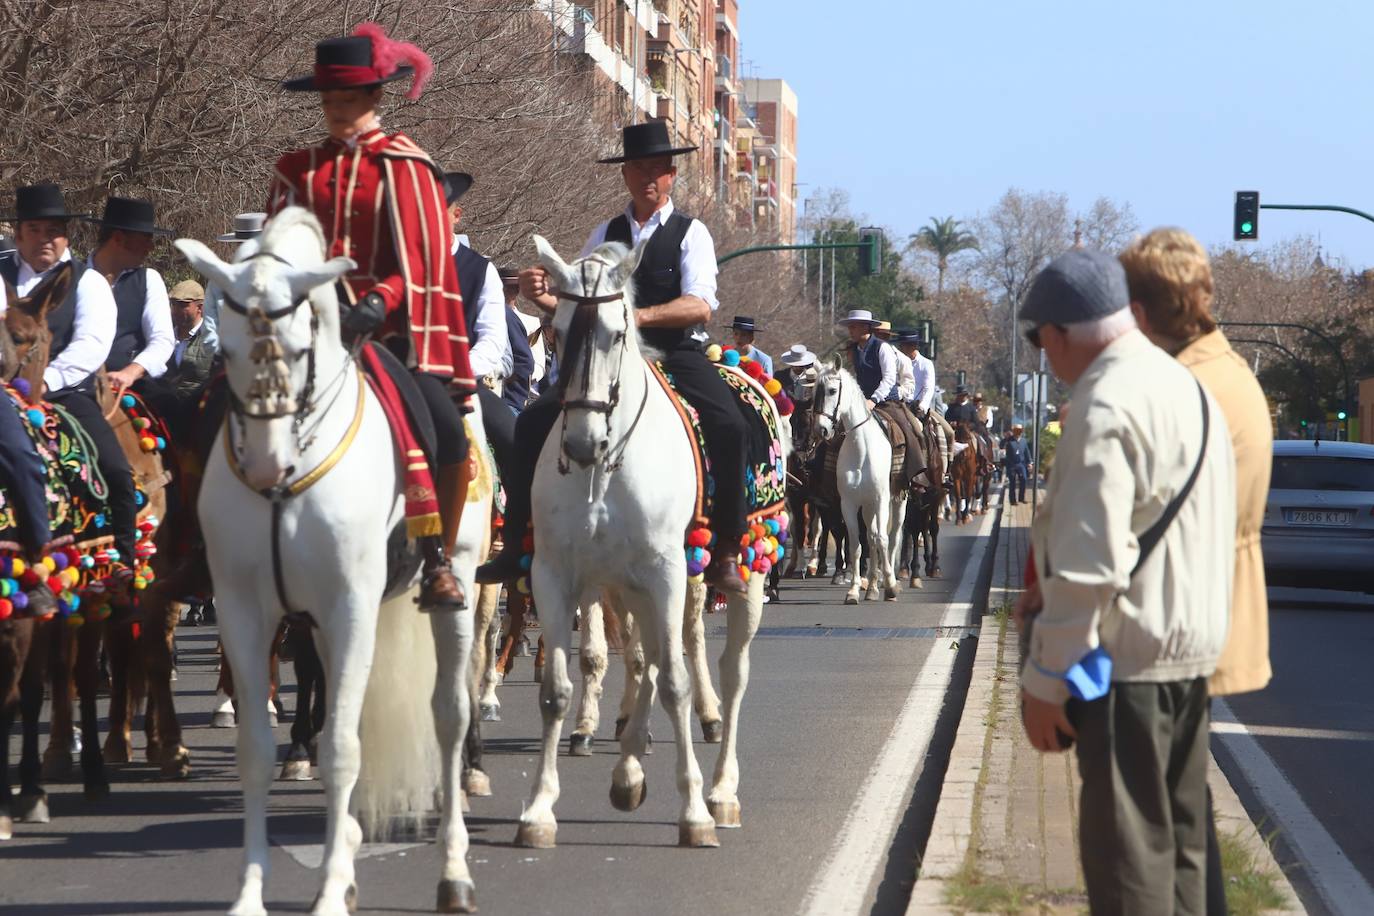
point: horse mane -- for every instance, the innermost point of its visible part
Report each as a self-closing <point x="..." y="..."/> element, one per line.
<point x="287" y="221"/>
<point x="614" y="253"/>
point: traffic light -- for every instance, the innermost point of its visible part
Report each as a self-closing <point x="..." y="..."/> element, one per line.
<point x="1303" y="424"/>
<point x="1340" y="415"/>
<point x="871" y="254"/>
<point x="1247" y="216"/>
<point x="932" y="354"/>
<point x="963" y="378"/>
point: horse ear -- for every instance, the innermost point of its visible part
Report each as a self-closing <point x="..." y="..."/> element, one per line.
<point x="549" y="260"/>
<point x="836" y="362"/>
<point x="306" y="279"/>
<point x="627" y="267"/>
<point x="205" y="262"/>
<point x="48" y="294"/>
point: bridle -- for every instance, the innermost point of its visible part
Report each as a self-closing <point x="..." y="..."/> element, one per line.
<point x="834" y="416"/>
<point x="578" y="347"/>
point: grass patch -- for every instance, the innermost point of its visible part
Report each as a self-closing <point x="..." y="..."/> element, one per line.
<point x="1251" y="885"/>
<point x="971" y="890"/>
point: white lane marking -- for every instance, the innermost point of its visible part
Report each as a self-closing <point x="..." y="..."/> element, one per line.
<point x="860" y="849"/>
<point x="1340" y="884"/>
<point x="1289" y="731"/>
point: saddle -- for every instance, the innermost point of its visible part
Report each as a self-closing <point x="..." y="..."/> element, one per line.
<point x="893" y="417"/>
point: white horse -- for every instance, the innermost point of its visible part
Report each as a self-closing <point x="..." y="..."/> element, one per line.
<point x="300" y="494"/>
<point x="613" y="498"/>
<point x="864" y="471"/>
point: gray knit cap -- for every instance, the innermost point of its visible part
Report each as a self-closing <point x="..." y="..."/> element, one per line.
<point x="1077" y="286"/>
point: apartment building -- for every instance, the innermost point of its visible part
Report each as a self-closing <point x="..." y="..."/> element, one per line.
<point x="771" y="158"/>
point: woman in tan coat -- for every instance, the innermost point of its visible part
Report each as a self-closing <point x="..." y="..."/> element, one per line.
<point x="1170" y="281"/>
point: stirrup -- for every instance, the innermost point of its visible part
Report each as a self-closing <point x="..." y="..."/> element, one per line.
<point x="444" y="606"/>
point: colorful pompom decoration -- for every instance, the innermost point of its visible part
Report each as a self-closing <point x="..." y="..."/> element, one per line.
<point x="713" y="353"/>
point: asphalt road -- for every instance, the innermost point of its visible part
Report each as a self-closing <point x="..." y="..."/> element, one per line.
<point x="819" y="712"/>
<point x="1301" y="752"/>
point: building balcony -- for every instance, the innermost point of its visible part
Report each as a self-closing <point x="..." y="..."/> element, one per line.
<point x="724" y="21"/>
<point x="576" y="34"/>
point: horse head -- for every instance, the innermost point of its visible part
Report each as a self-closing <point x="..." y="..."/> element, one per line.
<point x="597" y="338"/>
<point x="836" y="391"/>
<point x="278" y="332"/>
<point x="25" y="342"/>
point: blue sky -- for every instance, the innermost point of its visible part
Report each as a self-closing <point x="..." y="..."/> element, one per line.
<point x="922" y="109"/>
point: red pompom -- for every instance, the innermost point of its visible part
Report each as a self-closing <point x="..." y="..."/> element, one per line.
<point x="388" y="54"/>
<point x="753" y="370"/>
<point x="699" y="537"/>
<point x="785" y="405"/>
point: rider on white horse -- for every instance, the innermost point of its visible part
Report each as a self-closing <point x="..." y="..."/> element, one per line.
<point x="675" y="287"/>
<point x="876" y="365"/>
<point x="380" y="200"/>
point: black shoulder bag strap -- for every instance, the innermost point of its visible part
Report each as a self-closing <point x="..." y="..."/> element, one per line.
<point x="1152" y="536"/>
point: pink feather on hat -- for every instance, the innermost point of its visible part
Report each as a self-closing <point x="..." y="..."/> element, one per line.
<point x="388" y="54"/>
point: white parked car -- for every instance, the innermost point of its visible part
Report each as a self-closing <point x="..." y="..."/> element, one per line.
<point x="1319" y="520"/>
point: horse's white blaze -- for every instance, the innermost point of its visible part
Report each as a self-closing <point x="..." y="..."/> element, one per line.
<point x="333" y="539"/>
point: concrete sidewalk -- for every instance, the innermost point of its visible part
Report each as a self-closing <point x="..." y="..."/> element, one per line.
<point x="1005" y="836"/>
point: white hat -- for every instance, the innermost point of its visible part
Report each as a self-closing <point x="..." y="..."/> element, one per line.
<point x="797" y="356"/>
<point x="246" y="226"/>
<point x="859" y="316"/>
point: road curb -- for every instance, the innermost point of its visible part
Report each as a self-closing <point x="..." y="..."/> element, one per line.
<point x="1232" y="817"/>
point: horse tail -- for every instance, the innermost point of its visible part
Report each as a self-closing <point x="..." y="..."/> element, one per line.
<point x="400" y="750"/>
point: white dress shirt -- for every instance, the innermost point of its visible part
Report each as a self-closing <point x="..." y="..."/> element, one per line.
<point x="158" y="335"/>
<point x="697" y="264"/>
<point x="489" y="342"/>
<point x="93" y="328"/>
<point x="906" y="377"/>
<point x="924" y="370"/>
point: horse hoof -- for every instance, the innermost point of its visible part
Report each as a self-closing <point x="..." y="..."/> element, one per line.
<point x="6" y="827"/>
<point x="489" y="712"/>
<point x="117" y="751"/>
<point x="177" y="765"/>
<point x="837" y="579"/>
<point x="272" y="718"/>
<point x="620" y="727"/>
<point x="57" y="765"/>
<point x="726" y="813"/>
<point x="222" y="719"/>
<point x="31" y="809"/>
<point x="456" y="897"/>
<point x="851" y="599"/>
<point x="698" y="836"/>
<point x="903" y="573"/>
<point x="936" y="574"/>
<point x="711" y="731"/>
<point x="889" y="594"/>
<point x="351" y="898"/>
<point x="96" y="791"/>
<point x="915" y="583"/>
<point x="536" y="836"/>
<point x="476" y="782"/>
<point x="628" y="798"/>
<point x="295" y="771"/>
<point x="579" y="745"/>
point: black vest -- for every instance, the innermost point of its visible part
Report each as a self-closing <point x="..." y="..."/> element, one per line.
<point x="867" y="367"/>
<point x="62" y="319"/>
<point x="130" y="295"/>
<point x="658" y="279"/>
<point x="517" y="388"/>
<point x="472" y="276"/>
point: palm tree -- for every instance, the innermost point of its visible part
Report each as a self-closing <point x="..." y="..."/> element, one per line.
<point x="944" y="238"/>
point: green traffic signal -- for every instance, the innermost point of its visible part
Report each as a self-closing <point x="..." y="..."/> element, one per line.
<point x="1247" y="228"/>
<point x="1340" y="415"/>
<point x="1303" y="423"/>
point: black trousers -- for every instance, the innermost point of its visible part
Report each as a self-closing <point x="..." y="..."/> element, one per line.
<point x="452" y="444"/>
<point x="722" y="420"/>
<point x="114" y="467"/>
<point x="21" y="471"/>
<point x="499" y="422"/>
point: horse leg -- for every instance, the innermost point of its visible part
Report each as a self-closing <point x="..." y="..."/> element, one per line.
<point x="635" y="668"/>
<point x="890" y="544"/>
<point x="16" y="643"/>
<point x="704" y="699"/>
<point x="119" y="649"/>
<point x="248" y="640"/>
<point x="309" y="679"/>
<point x="742" y="622"/>
<point x="93" y="777"/>
<point x="475" y="781"/>
<point x="157" y="644"/>
<point x="32" y="804"/>
<point x="932" y="537"/>
<point x="517" y="606"/>
<point x="274" y="704"/>
<point x="628" y="787"/>
<point x="538" y="827"/>
<point x="856" y="539"/>
<point x="593" y="658"/>
<point x="223" y="716"/>
<point x="453" y="707"/>
<point x="486" y="640"/>
<point x="57" y="757"/>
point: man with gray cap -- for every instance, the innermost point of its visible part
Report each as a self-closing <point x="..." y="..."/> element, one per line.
<point x="1134" y="556"/>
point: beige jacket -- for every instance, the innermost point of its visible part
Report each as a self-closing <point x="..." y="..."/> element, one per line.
<point x="1129" y="446"/>
<point x="1244" y="663"/>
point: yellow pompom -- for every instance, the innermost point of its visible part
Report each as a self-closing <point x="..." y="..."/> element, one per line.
<point x="713" y="353"/>
<point x="19" y="566"/>
<point x="49" y="564"/>
<point x="773" y="387"/>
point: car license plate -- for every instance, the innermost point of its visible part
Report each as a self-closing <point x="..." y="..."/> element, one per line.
<point x="1319" y="517"/>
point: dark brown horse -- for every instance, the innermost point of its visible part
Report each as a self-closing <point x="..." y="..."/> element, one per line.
<point x="963" y="473"/>
<point x="922" y="523"/>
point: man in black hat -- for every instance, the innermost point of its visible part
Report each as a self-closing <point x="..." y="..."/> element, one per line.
<point x="82" y="328"/>
<point x="484" y="307"/>
<point x="516" y="392"/>
<point x="744" y="329"/>
<point x="675" y="291"/>
<point x="144" y="338"/>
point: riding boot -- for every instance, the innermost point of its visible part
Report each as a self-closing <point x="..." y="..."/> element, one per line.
<point x="723" y="571"/>
<point x="441" y="590"/>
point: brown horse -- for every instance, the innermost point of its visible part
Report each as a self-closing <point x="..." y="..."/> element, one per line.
<point x="963" y="472"/>
<point x="922" y="522"/>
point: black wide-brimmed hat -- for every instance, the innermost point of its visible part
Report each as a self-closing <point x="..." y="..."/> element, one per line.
<point x="646" y="141"/>
<point x="456" y="184"/>
<point x="906" y="335"/>
<point x="744" y="323"/>
<point x="129" y="214"/>
<point x="365" y="58"/>
<point x="40" y="201"/>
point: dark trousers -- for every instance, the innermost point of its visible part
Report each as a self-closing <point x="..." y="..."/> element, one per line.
<point x="721" y="420"/>
<point x="114" y="467"/>
<point x="451" y="439"/>
<point x="499" y="422"/>
<point x="1142" y="754"/>
<point x="22" y="472"/>
<point x="1016" y="487"/>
